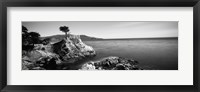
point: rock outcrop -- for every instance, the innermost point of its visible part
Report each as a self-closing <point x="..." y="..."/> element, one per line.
<point x="61" y="54"/>
<point x="112" y="63"/>
<point x="71" y="49"/>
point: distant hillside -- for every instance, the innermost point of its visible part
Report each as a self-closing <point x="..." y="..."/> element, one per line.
<point x="88" y="38"/>
<point x="56" y="38"/>
<point x="60" y="37"/>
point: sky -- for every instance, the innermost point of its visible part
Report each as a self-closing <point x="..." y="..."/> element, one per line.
<point x="107" y="29"/>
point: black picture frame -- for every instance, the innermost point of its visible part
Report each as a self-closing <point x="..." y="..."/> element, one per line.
<point x="98" y="3"/>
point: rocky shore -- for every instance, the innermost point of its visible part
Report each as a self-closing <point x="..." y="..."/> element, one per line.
<point x="70" y="50"/>
<point x="112" y="63"/>
<point x="55" y="56"/>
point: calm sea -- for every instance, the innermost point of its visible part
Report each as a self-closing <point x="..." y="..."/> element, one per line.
<point x="153" y="54"/>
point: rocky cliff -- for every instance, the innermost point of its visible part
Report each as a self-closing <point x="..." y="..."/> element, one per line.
<point x="56" y="55"/>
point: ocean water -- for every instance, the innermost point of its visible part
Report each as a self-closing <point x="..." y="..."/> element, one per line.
<point x="152" y="54"/>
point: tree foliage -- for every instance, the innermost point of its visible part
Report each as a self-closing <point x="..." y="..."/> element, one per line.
<point x="24" y="29"/>
<point x="64" y="29"/>
<point x="34" y="37"/>
<point x="46" y="41"/>
<point x="29" y="39"/>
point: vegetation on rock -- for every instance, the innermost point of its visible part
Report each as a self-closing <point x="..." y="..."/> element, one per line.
<point x="54" y="56"/>
<point x="29" y="39"/>
<point x="64" y="29"/>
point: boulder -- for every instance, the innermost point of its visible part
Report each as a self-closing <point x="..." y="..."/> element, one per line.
<point x="111" y="63"/>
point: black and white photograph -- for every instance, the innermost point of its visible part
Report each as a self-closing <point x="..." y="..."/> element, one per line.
<point x="100" y="45"/>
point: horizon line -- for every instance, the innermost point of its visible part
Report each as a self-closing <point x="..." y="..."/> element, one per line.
<point x="114" y="38"/>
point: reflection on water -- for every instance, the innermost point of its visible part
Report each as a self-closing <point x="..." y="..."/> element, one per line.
<point x="161" y="54"/>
